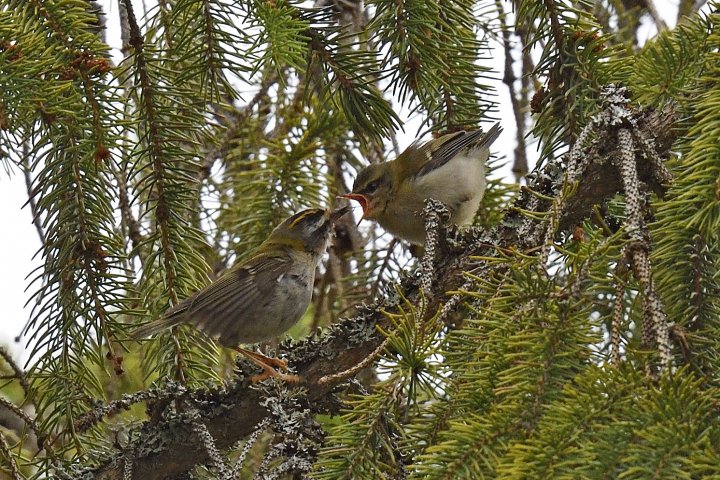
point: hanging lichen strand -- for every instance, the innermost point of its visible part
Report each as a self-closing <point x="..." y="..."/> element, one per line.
<point x="617" y="121"/>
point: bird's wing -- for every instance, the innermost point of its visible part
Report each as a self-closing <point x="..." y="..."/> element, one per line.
<point x="154" y="327"/>
<point x="218" y="308"/>
<point x="441" y="150"/>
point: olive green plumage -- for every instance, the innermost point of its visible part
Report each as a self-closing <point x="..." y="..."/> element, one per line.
<point x="265" y="294"/>
<point x="450" y="169"/>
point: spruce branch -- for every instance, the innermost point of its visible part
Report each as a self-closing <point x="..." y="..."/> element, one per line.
<point x="18" y="372"/>
<point x="155" y="144"/>
<point x="169" y="122"/>
<point x="9" y="457"/>
<point x="234" y="413"/>
<point x="68" y="136"/>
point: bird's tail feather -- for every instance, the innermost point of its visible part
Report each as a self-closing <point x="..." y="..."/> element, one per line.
<point x="462" y="140"/>
<point x="491" y="135"/>
<point x="154" y="327"/>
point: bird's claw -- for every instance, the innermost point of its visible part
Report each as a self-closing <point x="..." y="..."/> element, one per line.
<point x="268" y="364"/>
<point x="270" y="372"/>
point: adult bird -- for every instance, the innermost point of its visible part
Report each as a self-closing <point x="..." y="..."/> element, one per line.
<point x="262" y="296"/>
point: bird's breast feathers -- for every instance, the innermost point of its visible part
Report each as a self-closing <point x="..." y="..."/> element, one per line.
<point x="462" y="176"/>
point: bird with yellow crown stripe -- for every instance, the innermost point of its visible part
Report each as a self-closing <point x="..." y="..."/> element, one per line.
<point x="263" y="296"/>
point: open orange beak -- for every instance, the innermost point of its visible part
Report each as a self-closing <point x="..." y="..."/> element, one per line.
<point x="360" y="198"/>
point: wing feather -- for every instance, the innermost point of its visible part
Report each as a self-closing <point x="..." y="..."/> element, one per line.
<point x="448" y="146"/>
<point x="219" y="307"/>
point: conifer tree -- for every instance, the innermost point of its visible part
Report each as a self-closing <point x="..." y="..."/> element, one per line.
<point x="572" y="332"/>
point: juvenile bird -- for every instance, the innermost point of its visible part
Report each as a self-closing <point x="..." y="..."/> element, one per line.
<point x="260" y="297"/>
<point x="450" y="169"/>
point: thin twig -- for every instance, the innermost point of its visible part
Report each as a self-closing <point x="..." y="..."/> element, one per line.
<point x="31" y="196"/>
<point x="319" y="301"/>
<point x="383" y="267"/>
<point x="128" y="219"/>
<point x="133" y="226"/>
<point x="697" y="6"/>
<point x="19" y="373"/>
<point x="345" y="374"/>
<point x="252" y="439"/>
<point x="236" y="122"/>
<point x="124" y="27"/>
<point x="652" y="9"/>
<point x="5" y="449"/>
<point x="216" y="458"/>
<point x="127" y="467"/>
<point x="23" y="415"/>
<point x="95" y="9"/>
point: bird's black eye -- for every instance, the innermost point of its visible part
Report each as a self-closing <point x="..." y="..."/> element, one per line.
<point x="372" y="186"/>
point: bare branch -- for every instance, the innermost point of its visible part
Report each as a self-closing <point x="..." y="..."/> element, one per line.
<point x="520" y="162"/>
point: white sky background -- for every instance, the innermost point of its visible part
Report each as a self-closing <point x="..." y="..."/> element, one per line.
<point x="19" y="241"/>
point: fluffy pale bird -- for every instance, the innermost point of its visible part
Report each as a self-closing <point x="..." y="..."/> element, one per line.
<point x="450" y="169"/>
<point x="263" y="296"/>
